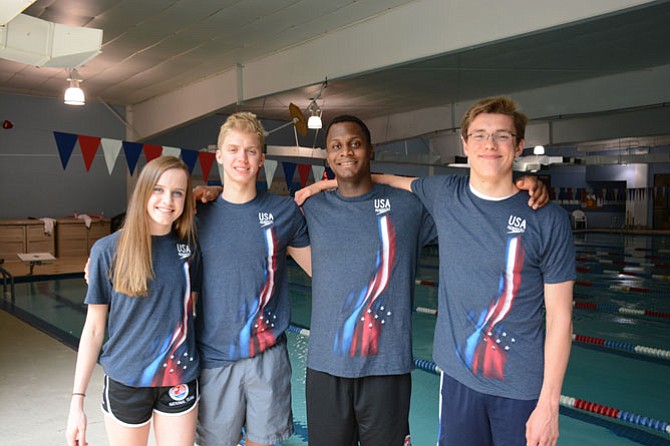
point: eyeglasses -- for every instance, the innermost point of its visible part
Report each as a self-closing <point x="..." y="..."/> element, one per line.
<point x="502" y="137"/>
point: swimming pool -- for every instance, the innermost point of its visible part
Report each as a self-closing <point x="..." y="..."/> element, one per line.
<point x="619" y="361"/>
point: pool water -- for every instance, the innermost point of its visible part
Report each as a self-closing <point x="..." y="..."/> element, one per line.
<point x="614" y="271"/>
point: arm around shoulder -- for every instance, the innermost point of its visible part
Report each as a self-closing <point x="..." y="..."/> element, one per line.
<point x="303" y="194"/>
<point x="397" y="181"/>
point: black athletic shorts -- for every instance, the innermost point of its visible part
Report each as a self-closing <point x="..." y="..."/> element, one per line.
<point x="372" y="409"/>
<point x="134" y="406"/>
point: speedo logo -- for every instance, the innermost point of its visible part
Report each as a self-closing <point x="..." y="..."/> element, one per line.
<point x="183" y="251"/>
<point x="382" y="206"/>
<point x="516" y="225"/>
<point x="265" y="219"/>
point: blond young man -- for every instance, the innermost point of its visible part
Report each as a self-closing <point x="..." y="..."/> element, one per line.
<point x="245" y="235"/>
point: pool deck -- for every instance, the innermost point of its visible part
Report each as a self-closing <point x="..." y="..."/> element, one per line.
<point x="36" y="373"/>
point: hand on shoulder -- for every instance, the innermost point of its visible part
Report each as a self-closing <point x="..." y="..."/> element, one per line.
<point x="205" y="194"/>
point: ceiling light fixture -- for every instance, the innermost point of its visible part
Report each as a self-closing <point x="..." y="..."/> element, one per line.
<point x="314" y="121"/>
<point x="74" y="95"/>
<point x="538" y="150"/>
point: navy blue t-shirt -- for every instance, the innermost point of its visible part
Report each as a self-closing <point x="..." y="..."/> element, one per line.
<point x="364" y="258"/>
<point x="495" y="258"/>
<point x="151" y="339"/>
<point x="245" y="305"/>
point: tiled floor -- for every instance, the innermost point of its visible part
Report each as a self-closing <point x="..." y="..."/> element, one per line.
<point x="36" y="374"/>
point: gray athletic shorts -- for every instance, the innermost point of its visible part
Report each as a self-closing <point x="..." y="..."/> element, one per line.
<point x="253" y="393"/>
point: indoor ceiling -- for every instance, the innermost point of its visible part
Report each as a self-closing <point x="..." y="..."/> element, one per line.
<point x="151" y="47"/>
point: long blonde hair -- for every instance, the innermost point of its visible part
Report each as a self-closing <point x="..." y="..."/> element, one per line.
<point x="132" y="268"/>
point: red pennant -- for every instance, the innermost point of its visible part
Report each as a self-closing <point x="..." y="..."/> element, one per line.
<point x="152" y="151"/>
<point x="89" y="146"/>
<point x="206" y="161"/>
<point x="303" y="171"/>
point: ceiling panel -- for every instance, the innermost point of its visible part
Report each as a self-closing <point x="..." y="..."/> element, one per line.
<point x="152" y="47"/>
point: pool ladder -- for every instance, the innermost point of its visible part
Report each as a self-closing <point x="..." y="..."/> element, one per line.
<point x="7" y="283"/>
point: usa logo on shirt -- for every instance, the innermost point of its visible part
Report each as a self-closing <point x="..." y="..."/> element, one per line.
<point x="516" y="225"/>
<point x="184" y="251"/>
<point x="382" y="206"/>
<point x="265" y="219"/>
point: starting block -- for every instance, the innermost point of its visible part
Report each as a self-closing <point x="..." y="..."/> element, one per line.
<point x="36" y="258"/>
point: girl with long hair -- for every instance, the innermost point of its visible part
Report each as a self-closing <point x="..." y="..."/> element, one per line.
<point x="143" y="281"/>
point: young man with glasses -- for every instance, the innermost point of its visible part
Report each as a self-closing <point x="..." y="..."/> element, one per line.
<point x="500" y="262"/>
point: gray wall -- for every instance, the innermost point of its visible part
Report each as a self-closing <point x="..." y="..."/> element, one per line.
<point x="32" y="180"/>
<point x="34" y="184"/>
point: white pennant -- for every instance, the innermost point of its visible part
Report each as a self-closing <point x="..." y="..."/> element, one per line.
<point x="110" y="149"/>
<point x="220" y="167"/>
<point x="270" y="168"/>
<point x="171" y="151"/>
<point x="318" y="172"/>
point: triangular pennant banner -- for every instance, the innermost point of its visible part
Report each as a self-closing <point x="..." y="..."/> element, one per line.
<point x="189" y="157"/>
<point x="318" y="172"/>
<point x="65" y="143"/>
<point x="206" y="161"/>
<point x="133" y="150"/>
<point x="110" y="150"/>
<point x="289" y="171"/>
<point x="303" y="171"/>
<point x="89" y="146"/>
<point x="329" y="173"/>
<point x="171" y="151"/>
<point x="220" y="167"/>
<point x="152" y="151"/>
<point x="270" y="168"/>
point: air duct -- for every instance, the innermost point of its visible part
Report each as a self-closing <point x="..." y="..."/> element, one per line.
<point x="36" y="42"/>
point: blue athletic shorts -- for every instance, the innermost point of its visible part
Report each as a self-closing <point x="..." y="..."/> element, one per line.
<point x="470" y="417"/>
<point x="134" y="406"/>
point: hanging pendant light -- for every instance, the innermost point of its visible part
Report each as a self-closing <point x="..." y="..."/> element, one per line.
<point x="74" y="95"/>
<point x="314" y="121"/>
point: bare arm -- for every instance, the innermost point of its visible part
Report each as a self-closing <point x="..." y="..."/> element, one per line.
<point x="537" y="190"/>
<point x="89" y="347"/>
<point x="303" y="194"/>
<point x="399" y="182"/>
<point x="87" y="269"/>
<point x="303" y="257"/>
<point x="542" y="426"/>
<point x="539" y="195"/>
